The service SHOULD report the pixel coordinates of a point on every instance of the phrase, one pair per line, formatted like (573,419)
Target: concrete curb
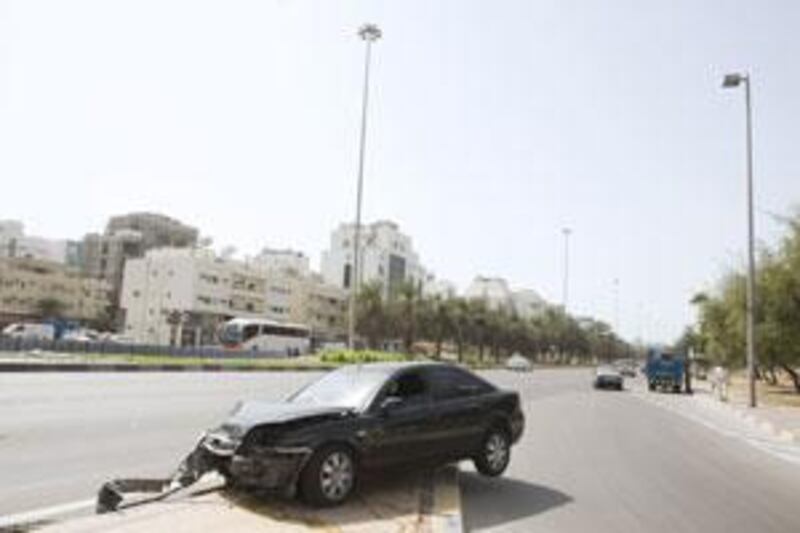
(14,367)
(446,511)
(431,503)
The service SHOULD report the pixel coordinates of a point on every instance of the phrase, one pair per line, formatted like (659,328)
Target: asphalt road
(589,460)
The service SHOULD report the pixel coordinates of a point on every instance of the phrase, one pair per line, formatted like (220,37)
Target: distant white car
(519,363)
(117,338)
(30,330)
(608,377)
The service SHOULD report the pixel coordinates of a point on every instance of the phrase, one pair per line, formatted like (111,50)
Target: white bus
(261,335)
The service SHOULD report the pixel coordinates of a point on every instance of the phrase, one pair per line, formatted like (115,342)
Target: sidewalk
(771,429)
(406,502)
(782,421)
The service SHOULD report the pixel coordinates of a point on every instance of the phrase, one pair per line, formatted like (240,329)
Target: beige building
(321,306)
(25,283)
(182,296)
(130,236)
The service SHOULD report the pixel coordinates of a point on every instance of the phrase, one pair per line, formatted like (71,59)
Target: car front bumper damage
(259,467)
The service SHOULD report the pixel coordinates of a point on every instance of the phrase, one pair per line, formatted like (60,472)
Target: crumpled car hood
(254,413)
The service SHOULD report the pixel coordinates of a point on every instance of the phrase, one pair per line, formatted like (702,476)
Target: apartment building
(181,296)
(386,257)
(26,283)
(131,236)
(14,243)
(497,294)
(283,260)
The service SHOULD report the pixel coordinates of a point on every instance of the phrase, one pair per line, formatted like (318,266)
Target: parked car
(82,335)
(30,331)
(519,363)
(364,417)
(118,338)
(608,377)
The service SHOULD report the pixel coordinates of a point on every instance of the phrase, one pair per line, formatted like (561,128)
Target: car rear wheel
(495,453)
(329,477)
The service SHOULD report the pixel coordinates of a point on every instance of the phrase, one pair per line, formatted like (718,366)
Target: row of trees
(470,325)
(720,332)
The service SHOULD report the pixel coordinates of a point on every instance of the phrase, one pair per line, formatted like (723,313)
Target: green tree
(721,314)
(51,308)
(372,316)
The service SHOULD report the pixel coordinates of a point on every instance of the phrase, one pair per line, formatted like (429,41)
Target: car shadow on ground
(388,500)
(492,502)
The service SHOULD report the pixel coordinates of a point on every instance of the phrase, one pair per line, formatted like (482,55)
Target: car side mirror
(389,404)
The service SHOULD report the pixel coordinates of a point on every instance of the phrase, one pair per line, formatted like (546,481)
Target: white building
(498,295)
(181,296)
(286,259)
(494,291)
(386,256)
(438,287)
(14,244)
(528,303)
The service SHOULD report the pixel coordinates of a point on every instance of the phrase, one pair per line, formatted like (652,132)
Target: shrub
(360,356)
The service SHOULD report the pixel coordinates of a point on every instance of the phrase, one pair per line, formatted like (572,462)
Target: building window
(347,275)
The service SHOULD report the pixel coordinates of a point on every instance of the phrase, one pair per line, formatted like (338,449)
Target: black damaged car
(319,440)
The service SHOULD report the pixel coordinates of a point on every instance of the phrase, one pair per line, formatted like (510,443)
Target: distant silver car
(519,363)
(608,377)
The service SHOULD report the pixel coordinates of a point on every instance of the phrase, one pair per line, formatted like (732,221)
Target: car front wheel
(329,477)
(495,453)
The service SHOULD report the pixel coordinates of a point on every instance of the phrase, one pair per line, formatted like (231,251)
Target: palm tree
(405,306)
(372,319)
(462,322)
(479,324)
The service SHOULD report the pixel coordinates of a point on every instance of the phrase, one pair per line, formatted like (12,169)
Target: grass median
(325,360)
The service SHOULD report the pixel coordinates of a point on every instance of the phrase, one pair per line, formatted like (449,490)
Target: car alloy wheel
(494,454)
(336,476)
(496,451)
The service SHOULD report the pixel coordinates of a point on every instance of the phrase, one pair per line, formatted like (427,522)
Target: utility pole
(565,293)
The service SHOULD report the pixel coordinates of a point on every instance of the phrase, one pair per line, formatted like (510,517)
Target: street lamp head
(370,32)
(732,80)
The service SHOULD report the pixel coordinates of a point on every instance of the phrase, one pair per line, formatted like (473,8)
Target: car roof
(395,366)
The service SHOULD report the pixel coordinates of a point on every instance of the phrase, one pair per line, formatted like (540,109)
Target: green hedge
(360,356)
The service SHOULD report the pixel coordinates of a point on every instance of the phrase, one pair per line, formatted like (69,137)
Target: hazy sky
(493,124)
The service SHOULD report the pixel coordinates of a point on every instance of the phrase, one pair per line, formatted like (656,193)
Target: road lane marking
(37,515)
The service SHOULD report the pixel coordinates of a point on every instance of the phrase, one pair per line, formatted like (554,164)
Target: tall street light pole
(369,33)
(616,306)
(732,81)
(565,294)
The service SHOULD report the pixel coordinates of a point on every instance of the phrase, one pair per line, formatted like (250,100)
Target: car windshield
(348,387)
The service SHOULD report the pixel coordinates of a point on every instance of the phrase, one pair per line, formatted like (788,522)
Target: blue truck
(665,370)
